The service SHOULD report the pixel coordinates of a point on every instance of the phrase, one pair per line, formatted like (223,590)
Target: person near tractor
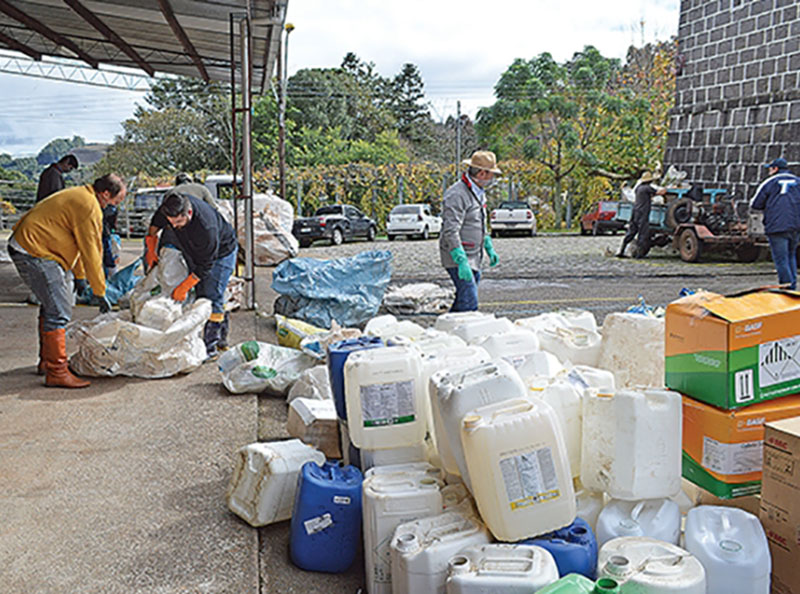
(59,235)
(779,197)
(209,247)
(639,225)
(52,178)
(464,235)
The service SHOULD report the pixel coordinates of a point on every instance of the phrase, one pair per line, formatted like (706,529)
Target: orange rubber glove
(151,251)
(180,292)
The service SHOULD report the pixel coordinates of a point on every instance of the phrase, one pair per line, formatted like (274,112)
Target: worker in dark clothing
(209,247)
(639,224)
(185,185)
(52,179)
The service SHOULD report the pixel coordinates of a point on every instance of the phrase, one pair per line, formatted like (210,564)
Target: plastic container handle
(518,407)
(637,509)
(726,521)
(478,372)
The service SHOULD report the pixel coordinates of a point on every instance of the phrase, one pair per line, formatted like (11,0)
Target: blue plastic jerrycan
(337,355)
(326,520)
(574,548)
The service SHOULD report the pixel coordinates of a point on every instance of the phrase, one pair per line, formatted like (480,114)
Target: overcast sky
(461,48)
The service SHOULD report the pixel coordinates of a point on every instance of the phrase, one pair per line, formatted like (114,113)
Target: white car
(412,219)
(514,216)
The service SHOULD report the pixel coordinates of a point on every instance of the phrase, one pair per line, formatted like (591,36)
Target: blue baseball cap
(780,163)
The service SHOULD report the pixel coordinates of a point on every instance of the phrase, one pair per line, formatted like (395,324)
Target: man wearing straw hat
(464,237)
(640,218)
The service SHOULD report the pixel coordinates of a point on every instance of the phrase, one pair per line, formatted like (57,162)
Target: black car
(336,222)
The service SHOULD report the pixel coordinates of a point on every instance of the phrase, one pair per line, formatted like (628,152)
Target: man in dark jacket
(52,179)
(779,197)
(209,247)
(640,218)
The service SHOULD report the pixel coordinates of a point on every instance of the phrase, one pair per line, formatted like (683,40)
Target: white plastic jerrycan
(447,322)
(644,565)
(632,443)
(516,453)
(421,549)
(589,504)
(539,368)
(474,331)
(572,345)
(732,546)
(460,392)
(384,396)
(433,341)
(579,318)
(656,518)
(506,568)
(512,346)
(546,321)
(389,500)
(567,402)
(584,377)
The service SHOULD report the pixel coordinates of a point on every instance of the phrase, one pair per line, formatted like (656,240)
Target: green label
(250,350)
(386,422)
(155,291)
(263,372)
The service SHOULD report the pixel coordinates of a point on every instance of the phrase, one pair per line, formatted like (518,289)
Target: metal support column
(247,165)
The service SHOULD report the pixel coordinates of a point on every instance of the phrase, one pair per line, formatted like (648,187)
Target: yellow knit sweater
(67,227)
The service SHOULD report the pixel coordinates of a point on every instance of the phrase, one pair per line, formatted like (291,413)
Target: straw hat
(483,160)
(648,177)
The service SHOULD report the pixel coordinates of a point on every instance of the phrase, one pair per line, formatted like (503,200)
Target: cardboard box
(314,423)
(734,351)
(699,496)
(722,449)
(780,503)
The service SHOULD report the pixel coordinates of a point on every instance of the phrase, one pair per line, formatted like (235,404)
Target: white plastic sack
(418,298)
(112,344)
(162,279)
(255,367)
(313,383)
(272,228)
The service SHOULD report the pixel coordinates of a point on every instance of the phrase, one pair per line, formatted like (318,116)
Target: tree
(409,111)
(57,148)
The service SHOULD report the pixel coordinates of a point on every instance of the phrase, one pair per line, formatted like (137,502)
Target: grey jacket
(463,224)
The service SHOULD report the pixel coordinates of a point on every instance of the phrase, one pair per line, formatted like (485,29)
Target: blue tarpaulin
(118,285)
(348,290)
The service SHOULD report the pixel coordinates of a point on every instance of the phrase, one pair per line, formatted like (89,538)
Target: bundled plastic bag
(118,286)
(273,218)
(418,298)
(313,383)
(255,367)
(170,271)
(347,290)
(111,344)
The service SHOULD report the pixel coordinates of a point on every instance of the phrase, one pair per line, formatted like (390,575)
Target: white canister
(632,443)
(474,331)
(647,566)
(515,451)
(421,550)
(384,396)
(567,402)
(579,318)
(506,568)
(656,518)
(407,468)
(588,503)
(732,546)
(511,346)
(460,392)
(388,501)
(584,377)
(572,345)
(388,457)
(264,480)
(433,341)
(447,322)
(539,368)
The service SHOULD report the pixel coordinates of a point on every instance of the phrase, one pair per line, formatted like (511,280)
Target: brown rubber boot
(41,369)
(55,353)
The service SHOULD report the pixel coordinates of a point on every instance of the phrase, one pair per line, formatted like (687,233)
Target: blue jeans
(50,283)
(212,285)
(784,253)
(466,291)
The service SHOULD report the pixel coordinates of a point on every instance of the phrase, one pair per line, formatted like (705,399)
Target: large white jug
(512,346)
(421,549)
(384,396)
(732,546)
(567,401)
(433,341)
(644,565)
(632,443)
(584,377)
(539,365)
(506,568)
(460,392)
(516,453)
(447,322)
(589,504)
(474,331)
(656,518)
(572,345)
(388,501)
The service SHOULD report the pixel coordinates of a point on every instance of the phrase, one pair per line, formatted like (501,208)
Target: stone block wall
(738,91)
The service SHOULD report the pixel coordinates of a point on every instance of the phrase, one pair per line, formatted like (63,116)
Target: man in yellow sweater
(63,232)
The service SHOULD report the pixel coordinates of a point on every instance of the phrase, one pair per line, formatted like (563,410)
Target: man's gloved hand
(150,251)
(105,305)
(182,290)
(80,286)
(494,259)
(460,258)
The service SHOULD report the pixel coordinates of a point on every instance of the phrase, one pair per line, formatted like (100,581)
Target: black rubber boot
(211,334)
(222,345)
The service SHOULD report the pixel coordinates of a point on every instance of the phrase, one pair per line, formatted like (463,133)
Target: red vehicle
(602,218)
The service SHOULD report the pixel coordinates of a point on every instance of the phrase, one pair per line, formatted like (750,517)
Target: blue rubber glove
(460,258)
(80,286)
(494,259)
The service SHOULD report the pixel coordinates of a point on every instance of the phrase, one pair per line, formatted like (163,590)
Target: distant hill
(89,154)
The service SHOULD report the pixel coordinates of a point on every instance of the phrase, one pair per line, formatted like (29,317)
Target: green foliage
(57,148)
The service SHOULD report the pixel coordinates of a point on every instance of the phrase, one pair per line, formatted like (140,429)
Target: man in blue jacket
(779,197)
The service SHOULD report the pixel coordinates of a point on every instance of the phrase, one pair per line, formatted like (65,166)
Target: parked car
(337,223)
(514,216)
(603,217)
(412,219)
(135,216)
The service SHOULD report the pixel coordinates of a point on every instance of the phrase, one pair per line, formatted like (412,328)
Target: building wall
(738,91)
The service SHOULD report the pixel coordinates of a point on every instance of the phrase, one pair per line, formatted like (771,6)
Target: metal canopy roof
(185,37)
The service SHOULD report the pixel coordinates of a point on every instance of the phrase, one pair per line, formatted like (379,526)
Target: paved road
(547,272)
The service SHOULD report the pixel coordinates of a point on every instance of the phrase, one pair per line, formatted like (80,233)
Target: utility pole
(458,136)
(283,71)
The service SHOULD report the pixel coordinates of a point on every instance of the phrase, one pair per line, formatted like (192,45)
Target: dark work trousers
(638,227)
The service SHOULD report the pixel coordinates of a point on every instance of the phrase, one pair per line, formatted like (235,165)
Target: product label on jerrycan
(530,478)
(388,404)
